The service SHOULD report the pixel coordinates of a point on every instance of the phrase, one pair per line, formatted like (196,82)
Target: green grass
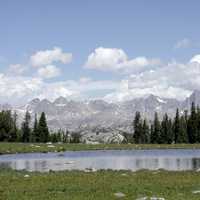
(101,185)
(6,148)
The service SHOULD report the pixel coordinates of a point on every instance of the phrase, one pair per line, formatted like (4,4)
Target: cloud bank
(137,77)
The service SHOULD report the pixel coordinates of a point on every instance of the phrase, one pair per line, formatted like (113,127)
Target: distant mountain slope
(97,113)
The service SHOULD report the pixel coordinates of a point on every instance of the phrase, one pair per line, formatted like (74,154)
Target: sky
(108,49)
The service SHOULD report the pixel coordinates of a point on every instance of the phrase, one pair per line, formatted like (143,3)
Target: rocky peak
(60,101)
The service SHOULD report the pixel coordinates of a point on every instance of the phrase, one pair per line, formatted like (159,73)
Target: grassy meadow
(100,185)
(7,148)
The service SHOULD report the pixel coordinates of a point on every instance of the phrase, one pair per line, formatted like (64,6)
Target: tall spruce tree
(14,129)
(192,125)
(183,137)
(156,132)
(145,132)
(166,130)
(177,129)
(170,138)
(26,131)
(198,124)
(35,134)
(43,128)
(137,124)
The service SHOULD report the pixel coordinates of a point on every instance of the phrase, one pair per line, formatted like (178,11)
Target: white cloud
(174,80)
(21,89)
(16,69)
(112,59)
(196,59)
(49,71)
(46,57)
(144,77)
(184,43)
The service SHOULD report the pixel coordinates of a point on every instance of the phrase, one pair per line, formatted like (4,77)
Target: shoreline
(13,148)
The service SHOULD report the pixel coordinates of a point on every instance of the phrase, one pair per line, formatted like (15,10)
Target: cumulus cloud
(184,43)
(21,89)
(16,69)
(174,80)
(113,59)
(46,57)
(140,77)
(49,71)
(196,59)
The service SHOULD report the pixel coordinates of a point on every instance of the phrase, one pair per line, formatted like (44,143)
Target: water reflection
(172,160)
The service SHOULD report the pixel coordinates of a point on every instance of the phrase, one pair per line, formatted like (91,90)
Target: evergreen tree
(151,132)
(26,131)
(165,130)
(170,134)
(183,137)
(156,132)
(75,137)
(2,134)
(192,125)
(145,132)
(43,128)
(66,137)
(35,132)
(137,124)
(177,129)
(13,132)
(198,124)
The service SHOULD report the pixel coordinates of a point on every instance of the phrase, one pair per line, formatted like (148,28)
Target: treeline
(183,128)
(38,132)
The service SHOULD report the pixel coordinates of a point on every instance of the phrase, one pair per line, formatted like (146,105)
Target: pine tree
(198,123)
(156,132)
(137,124)
(43,128)
(170,134)
(145,132)
(164,129)
(176,125)
(192,125)
(35,132)
(14,129)
(26,131)
(183,137)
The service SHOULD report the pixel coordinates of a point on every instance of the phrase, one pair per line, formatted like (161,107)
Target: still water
(171,159)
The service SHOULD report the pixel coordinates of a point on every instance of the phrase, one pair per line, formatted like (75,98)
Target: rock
(90,170)
(49,143)
(196,192)
(60,154)
(50,146)
(69,162)
(119,194)
(142,198)
(102,136)
(157,198)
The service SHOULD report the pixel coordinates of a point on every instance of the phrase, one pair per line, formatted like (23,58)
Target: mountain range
(76,115)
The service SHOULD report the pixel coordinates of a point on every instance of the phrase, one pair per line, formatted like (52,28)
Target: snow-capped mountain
(72,115)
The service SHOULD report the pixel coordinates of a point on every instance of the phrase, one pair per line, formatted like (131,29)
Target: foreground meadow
(7,148)
(101,185)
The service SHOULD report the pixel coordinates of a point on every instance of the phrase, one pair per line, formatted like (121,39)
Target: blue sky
(167,31)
